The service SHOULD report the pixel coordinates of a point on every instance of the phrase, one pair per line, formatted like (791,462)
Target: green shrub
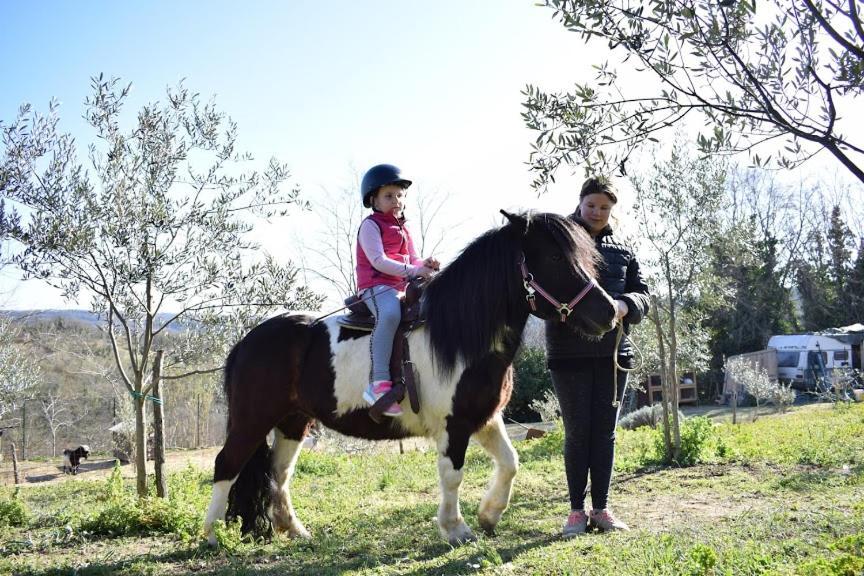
(531,382)
(231,540)
(12,512)
(845,565)
(549,445)
(637,449)
(124,514)
(696,434)
(702,560)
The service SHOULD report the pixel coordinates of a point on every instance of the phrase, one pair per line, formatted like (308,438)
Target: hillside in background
(80,395)
(83,317)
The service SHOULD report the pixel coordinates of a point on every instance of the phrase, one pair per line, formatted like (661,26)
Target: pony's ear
(517,221)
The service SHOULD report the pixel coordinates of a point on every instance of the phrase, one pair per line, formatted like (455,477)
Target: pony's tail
(251,495)
(226,382)
(229,365)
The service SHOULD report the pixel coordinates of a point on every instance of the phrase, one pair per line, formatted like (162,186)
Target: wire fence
(42,428)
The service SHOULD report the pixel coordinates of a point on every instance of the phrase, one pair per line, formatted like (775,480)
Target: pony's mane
(469,303)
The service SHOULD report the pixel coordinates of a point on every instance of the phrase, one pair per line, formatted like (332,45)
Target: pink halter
(531,286)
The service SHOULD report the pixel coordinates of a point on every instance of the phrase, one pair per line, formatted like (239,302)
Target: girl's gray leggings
(384,303)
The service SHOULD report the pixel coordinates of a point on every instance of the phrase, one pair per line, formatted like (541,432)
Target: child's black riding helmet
(378,176)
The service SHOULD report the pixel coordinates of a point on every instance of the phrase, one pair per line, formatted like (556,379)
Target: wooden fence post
(159,428)
(23,430)
(198,423)
(15,463)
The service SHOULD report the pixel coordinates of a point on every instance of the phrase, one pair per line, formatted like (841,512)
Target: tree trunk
(674,386)
(15,463)
(198,422)
(735,404)
(159,428)
(140,446)
(24,430)
(655,319)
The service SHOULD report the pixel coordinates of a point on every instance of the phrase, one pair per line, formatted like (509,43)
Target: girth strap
(402,373)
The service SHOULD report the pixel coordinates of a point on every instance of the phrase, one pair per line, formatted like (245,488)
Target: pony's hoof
(212,541)
(488,524)
(295,530)
(300,533)
(462,539)
(488,517)
(460,535)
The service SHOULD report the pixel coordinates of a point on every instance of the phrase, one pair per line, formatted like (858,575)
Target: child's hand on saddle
(425,272)
(432,263)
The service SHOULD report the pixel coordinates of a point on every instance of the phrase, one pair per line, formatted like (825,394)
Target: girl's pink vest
(395,238)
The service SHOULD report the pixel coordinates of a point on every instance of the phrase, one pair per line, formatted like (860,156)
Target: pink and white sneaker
(577,523)
(375,391)
(606,521)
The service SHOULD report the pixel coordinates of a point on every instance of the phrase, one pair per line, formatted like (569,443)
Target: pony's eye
(556,257)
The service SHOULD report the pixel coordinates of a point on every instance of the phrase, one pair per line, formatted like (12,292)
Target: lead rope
(615,366)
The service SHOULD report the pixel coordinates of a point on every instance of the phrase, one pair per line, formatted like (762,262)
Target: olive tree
(677,205)
(788,74)
(19,371)
(154,228)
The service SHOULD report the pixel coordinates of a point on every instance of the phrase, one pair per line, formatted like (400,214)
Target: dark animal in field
(72,458)
(292,370)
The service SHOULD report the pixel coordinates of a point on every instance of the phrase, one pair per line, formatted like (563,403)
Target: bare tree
(56,415)
(332,253)
(429,227)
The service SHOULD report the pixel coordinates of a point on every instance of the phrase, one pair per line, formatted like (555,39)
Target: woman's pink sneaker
(606,521)
(577,523)
(376,390)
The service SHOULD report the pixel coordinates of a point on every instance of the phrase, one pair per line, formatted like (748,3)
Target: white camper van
(798,356)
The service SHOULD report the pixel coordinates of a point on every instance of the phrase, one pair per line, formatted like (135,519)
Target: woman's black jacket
(620,276)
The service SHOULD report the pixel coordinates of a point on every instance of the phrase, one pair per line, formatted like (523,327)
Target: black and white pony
(291,370)
(72,458)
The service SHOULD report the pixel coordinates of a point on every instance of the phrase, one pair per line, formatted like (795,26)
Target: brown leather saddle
(401,368)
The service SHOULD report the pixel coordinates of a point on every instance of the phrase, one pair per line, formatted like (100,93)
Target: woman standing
(582,369)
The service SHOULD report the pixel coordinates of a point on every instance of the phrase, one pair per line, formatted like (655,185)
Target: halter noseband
(531,286)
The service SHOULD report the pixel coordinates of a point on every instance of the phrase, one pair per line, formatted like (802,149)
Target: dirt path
(41,473)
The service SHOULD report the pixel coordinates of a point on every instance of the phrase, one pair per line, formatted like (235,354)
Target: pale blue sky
(328,87)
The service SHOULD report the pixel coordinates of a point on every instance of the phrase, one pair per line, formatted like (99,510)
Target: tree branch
(193,373)
(858,51)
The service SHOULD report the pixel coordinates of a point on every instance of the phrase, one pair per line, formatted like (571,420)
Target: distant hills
(82,317)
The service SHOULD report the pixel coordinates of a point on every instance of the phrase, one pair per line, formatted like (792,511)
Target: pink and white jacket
(385,253)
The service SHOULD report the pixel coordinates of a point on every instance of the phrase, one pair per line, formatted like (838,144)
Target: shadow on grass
(120,566)
(83,468)
(809,479)
(406,536)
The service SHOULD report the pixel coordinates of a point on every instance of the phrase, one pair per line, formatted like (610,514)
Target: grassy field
(782,495)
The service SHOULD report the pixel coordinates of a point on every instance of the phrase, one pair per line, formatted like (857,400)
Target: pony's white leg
(450,522)
(285,453)
(218,505)
(493,437)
